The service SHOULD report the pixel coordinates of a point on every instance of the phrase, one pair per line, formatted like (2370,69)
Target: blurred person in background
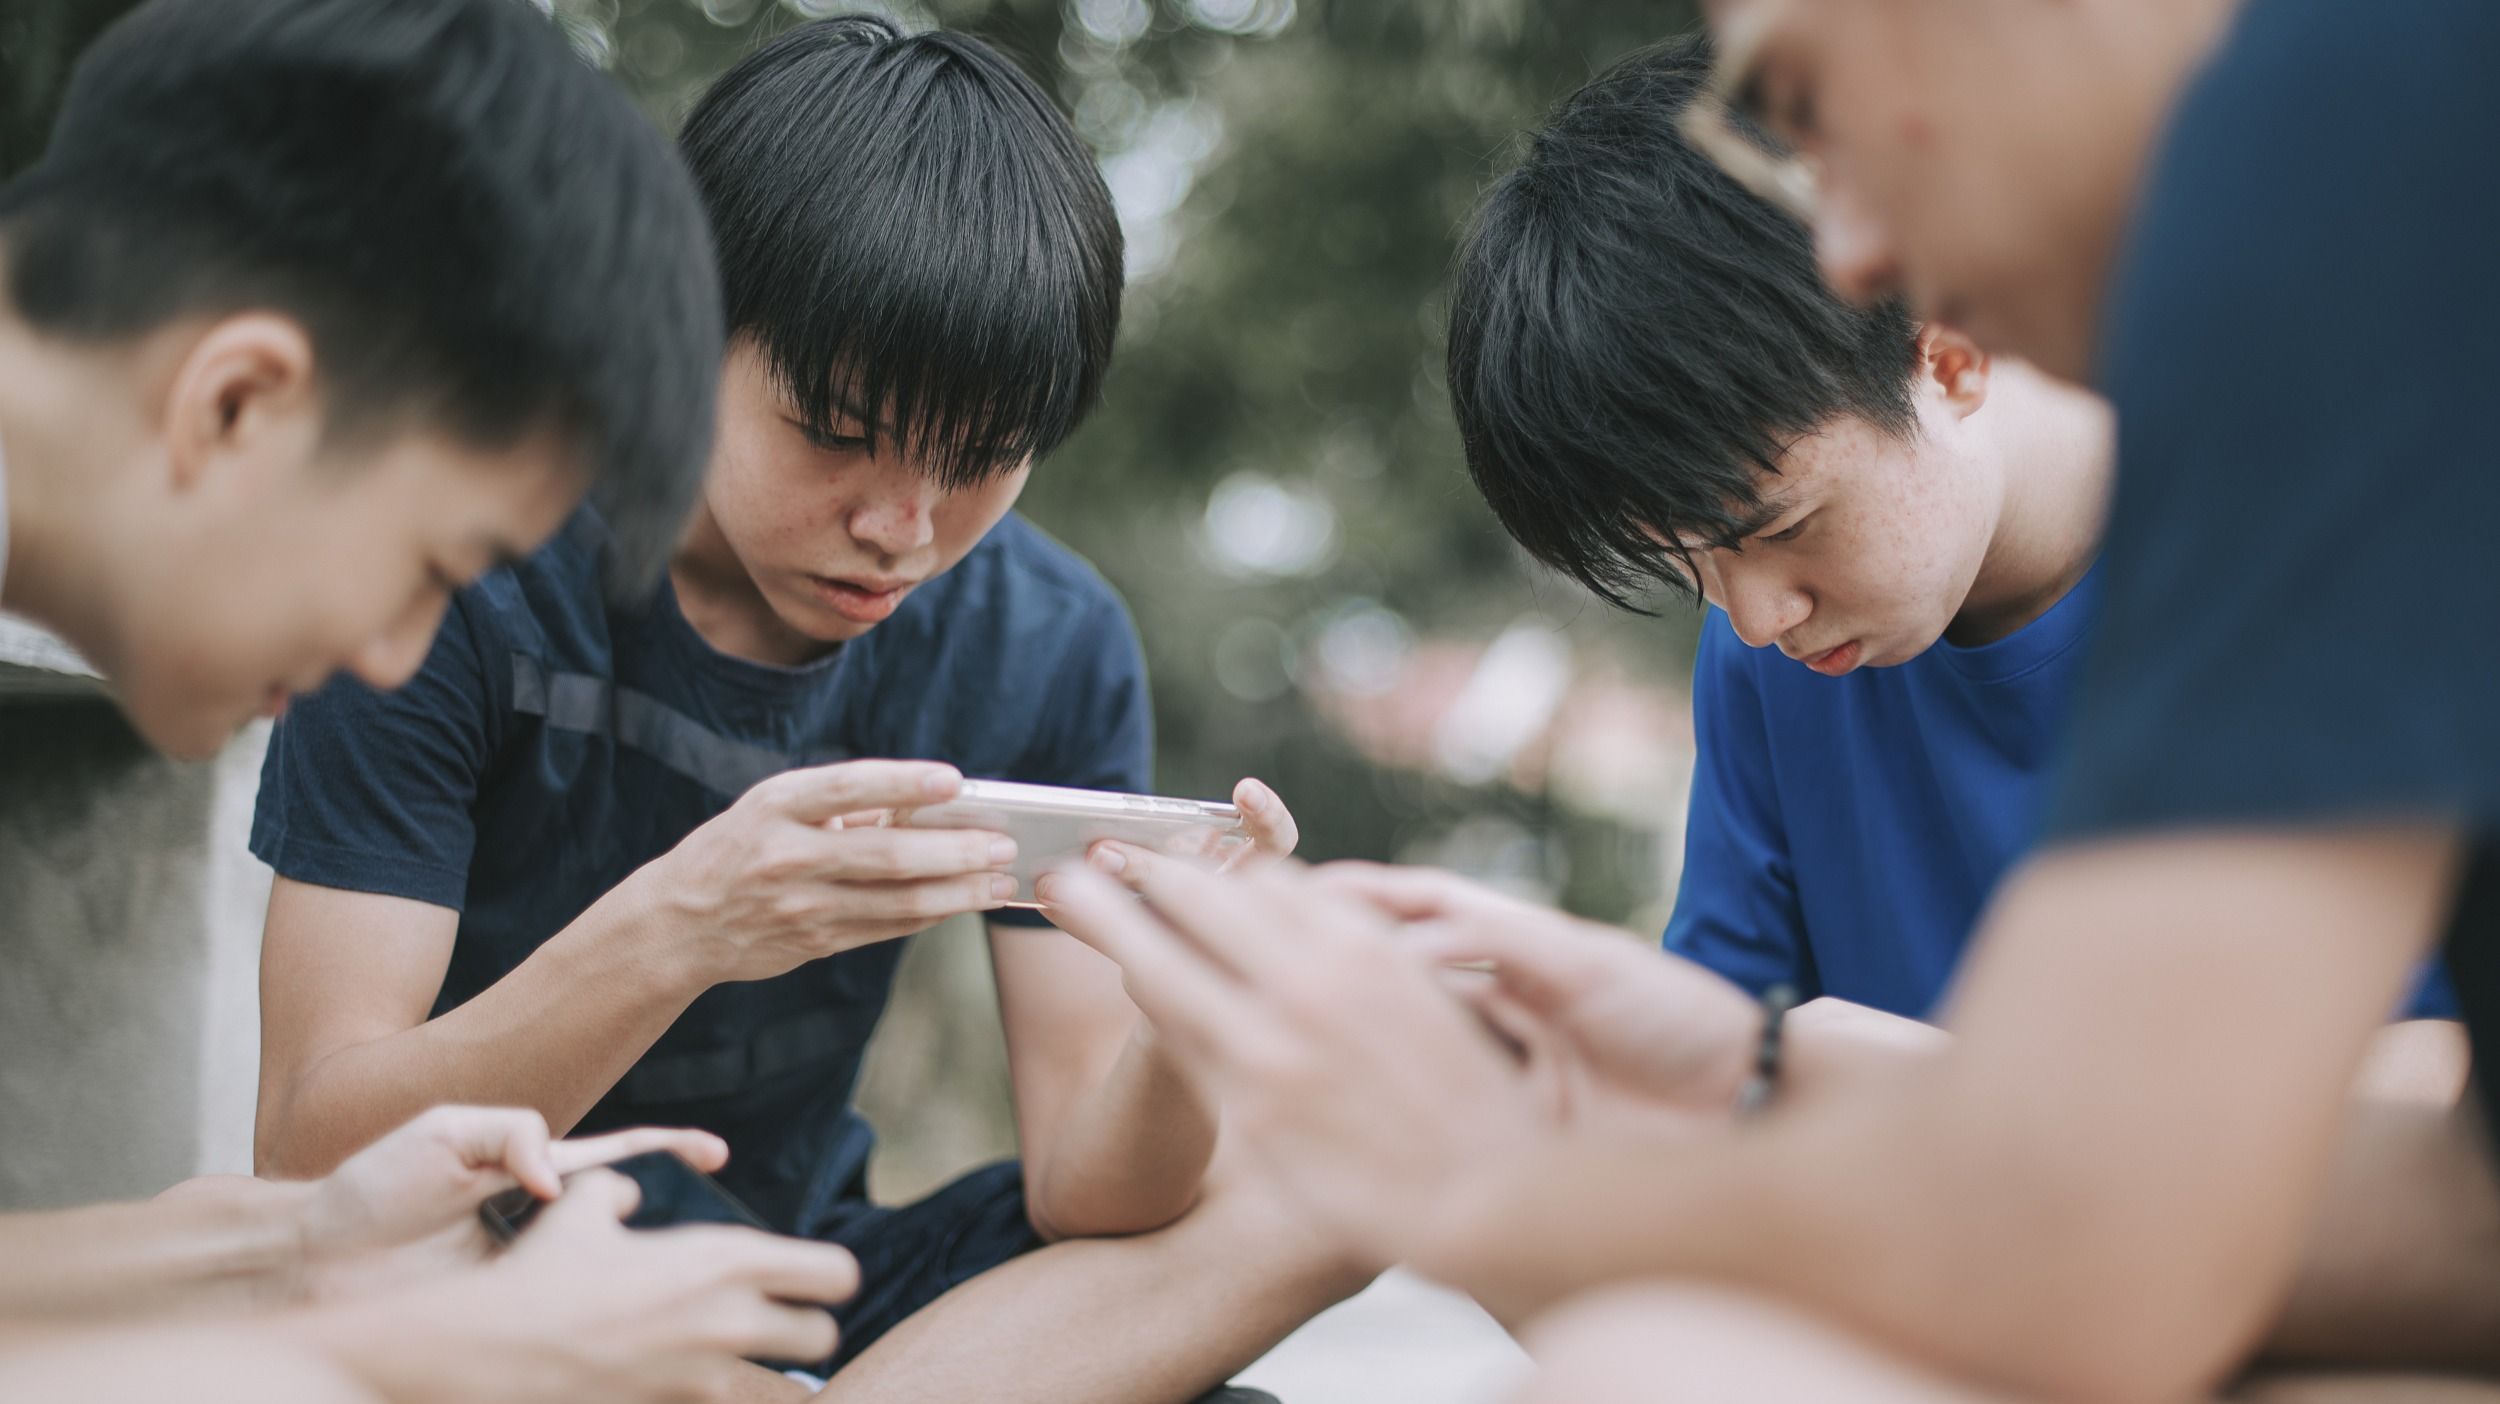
(591,860)
(1894,531)
(2134,1171)
(307,316)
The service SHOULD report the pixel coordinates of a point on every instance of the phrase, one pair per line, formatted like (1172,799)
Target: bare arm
(2152,1045)
(197,1366)
(1116,1137)
(347,1052)
(230,1244)
(347,979)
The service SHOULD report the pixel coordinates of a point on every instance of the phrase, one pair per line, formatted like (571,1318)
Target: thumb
(1536,971)
(592,1200)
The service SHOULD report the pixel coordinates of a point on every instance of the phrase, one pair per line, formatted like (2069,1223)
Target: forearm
(554,1036)
(2403,1266)
(198,1367)
(1890,1212)
(1129,1155)
(227,1243)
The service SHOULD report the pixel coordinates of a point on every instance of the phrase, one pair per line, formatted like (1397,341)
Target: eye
(831,442)
(1787,533)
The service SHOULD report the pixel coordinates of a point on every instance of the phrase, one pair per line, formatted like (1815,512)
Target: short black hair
(1635,338)
(915,237)
(478,231)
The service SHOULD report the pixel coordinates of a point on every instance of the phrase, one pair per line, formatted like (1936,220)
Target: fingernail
(1109,860)
(941,784)
(1002,851)
(1002,887)
(1046,890)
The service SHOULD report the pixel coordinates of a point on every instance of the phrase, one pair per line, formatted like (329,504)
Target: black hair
(479,233)
(915,238)
(1635,338)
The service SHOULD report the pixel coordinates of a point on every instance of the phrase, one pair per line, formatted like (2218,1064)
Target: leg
(1156,1319)
(1660,1344)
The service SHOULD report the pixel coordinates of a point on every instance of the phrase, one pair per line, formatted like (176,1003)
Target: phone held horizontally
(1054,826)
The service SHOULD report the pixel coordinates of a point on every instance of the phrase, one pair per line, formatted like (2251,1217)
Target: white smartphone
(1054,826)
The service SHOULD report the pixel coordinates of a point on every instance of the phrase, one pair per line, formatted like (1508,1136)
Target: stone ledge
(34,664)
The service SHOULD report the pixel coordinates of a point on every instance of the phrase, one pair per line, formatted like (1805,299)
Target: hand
(1273,837)
(1621,1032)
(1353,1078)
(407,1204)
(583,1309)
(780,879)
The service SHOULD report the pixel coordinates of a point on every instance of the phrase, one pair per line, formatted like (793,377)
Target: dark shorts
(912,1254)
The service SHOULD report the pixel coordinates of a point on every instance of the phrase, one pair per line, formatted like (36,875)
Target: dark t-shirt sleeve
(1736,908)
(372,792)
(1097,730)
(2302,622)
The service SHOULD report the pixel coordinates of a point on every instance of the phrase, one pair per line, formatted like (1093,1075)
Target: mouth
(1832,662)
(861,601)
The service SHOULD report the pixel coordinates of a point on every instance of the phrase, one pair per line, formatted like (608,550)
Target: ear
(1955,366)
(242,397)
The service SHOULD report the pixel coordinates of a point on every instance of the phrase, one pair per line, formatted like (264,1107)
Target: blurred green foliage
(1275,455)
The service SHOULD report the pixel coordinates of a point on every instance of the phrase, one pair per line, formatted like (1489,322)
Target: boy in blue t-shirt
(593,859)
(1895,535)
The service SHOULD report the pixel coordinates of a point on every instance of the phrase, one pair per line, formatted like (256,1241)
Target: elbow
(1058,1214)
(284,1146)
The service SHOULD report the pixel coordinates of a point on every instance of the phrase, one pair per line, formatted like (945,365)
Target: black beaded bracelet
(1755,1095)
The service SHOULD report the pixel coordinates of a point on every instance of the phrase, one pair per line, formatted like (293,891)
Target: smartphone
(1054,826)
(673,1192)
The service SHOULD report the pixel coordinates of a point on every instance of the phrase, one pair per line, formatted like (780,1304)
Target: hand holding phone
(1054,826)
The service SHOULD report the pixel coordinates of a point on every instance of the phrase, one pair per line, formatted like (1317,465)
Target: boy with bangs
(592,860)
(1893,531)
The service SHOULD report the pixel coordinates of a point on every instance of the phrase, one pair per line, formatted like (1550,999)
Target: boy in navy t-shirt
(593,859)
(1895,535)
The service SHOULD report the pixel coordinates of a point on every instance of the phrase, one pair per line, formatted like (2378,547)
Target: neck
(2055,445)
(721,602)
(69,432)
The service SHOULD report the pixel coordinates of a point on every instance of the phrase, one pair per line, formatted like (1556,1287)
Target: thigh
(1666,1343)
(2325,1387)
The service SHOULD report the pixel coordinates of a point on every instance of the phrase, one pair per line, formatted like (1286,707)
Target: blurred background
(1273,480)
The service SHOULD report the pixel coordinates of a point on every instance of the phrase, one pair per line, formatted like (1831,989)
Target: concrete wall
(129,937)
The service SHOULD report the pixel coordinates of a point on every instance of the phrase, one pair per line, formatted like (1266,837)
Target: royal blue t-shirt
(553,744)
(1844,833)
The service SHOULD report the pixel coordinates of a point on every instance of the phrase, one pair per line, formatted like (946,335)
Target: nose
(1854,248)
(390,658)
(1761,606)
(898,520)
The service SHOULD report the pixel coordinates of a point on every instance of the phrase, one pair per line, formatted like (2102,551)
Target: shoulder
(1023,596)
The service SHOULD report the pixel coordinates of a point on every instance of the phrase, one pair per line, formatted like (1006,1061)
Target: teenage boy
(2134,1165)
(304,316)
(1895,535)
(592,861)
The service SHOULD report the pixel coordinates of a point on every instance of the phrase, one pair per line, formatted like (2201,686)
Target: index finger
(786,1269)
(823,793)
(700,1149)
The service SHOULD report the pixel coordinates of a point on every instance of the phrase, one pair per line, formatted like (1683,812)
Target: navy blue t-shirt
(2301,618)
(1844,833)
(551,746)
